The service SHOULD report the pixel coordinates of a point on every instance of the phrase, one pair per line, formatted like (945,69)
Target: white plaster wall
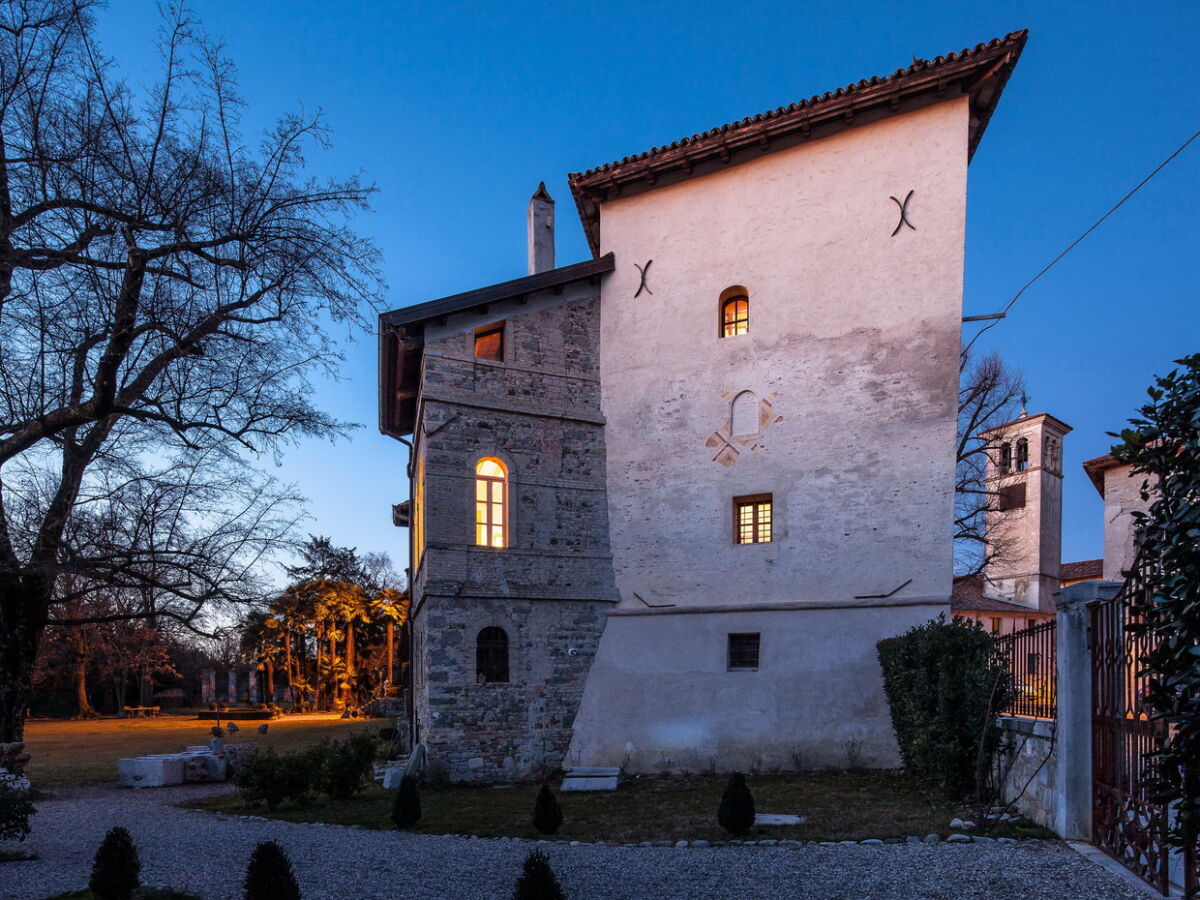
(670,703)
(854,335)
(1121,498)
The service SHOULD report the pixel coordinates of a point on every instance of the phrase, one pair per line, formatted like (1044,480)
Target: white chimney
(541,230)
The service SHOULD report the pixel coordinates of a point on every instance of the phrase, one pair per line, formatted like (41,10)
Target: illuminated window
(418,513)
(491,501)
(491,656)
(752,519)
(489,343)
(1022,455)
(735,312)
(743,652)
(995,625)
(743,417)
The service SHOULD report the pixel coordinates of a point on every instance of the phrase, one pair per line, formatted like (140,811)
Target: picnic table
(137,712)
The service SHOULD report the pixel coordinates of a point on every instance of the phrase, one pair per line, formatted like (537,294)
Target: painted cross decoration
(903,214)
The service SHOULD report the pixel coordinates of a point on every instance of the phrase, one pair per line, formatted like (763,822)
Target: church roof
(980,73)
(1081,570)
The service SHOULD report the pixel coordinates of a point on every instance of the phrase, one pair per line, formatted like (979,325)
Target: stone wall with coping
(1027,768)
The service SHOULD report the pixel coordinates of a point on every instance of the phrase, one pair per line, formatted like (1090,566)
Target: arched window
(735,312)
(743,417)
(1005,456)
(1022,455)
(491,503)
(491,656)
(1050,453)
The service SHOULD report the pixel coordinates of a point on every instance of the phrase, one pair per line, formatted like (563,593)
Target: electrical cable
(1078,240)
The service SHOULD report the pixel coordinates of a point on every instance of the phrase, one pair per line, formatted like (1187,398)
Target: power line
(1015,297)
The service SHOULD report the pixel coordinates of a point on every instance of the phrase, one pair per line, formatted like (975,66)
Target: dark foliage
(1164,445)
(116,868)
(343,768)
(269,875)
(736,812)
(945,689)
(547,814)
(15,810)
(271,779)
(537,881)
(406,808)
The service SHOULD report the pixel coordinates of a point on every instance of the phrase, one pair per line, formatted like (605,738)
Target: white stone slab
(392,778)
(777,819)
(590,771)
(151,771)
(203,767)
(590,783)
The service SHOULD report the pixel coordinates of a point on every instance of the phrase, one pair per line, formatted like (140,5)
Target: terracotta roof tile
(1077,571)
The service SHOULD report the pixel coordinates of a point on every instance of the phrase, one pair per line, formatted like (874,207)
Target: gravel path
(206,854)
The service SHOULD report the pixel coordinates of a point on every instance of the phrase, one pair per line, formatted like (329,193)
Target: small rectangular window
(995,625)
(489,343)
(743,652)
(752,519)
(1029,623)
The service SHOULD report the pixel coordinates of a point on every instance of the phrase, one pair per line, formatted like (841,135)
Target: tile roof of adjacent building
(1095,469)
(978,72)
(968,595)
(1081,570)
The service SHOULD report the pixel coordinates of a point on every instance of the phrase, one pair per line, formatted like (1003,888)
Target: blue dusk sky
(457,110)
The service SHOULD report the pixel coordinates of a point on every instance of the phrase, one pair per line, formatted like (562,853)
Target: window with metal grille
(491,503)
(491,656)
(743,652)
(489,343)
(752,519)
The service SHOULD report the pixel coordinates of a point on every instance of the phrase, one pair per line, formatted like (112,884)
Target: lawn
(836,807)
(69,752)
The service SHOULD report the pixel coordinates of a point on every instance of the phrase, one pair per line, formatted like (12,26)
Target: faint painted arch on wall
(743,415)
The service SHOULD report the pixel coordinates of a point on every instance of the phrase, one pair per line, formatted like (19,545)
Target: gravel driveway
(206,854)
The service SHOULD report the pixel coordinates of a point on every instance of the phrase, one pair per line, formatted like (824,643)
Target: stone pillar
(1073,816)
(540,230)
(252,686)
(233,694)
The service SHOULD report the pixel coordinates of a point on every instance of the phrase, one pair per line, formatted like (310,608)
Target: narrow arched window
(491,503)
(1005,456)
(1022,455)
(735,312)
(491,656)
(743,417)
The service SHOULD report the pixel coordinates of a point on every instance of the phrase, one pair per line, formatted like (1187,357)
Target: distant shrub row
(337,769)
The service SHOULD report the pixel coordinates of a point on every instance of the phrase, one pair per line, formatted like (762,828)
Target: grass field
(836,807)
(68,752)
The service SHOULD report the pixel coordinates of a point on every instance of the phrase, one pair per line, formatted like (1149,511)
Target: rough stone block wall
(1027,768)
(550,588)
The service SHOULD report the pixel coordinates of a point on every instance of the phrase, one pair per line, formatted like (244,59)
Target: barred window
(491,656)
(735,312)
(752,519)
(491,503)
(743,652)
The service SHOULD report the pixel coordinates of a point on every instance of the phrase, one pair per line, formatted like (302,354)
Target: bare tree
(165,296)
(989,396)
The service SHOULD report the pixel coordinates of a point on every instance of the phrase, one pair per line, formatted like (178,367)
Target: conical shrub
(116,867)
(406,808)
(736,812)
(269,875)
(537,881)
(547,814)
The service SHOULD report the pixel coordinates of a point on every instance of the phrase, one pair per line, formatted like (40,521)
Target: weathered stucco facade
(633,431)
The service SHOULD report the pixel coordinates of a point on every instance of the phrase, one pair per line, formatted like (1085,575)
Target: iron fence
(1029,656)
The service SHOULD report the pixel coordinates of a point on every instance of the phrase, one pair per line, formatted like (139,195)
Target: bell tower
(1024,517)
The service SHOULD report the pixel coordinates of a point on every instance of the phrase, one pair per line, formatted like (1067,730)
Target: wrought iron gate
(1126,821)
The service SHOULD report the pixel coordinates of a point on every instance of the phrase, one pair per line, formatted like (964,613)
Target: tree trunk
(391,653)
(351,674)
(270,667)
(22,620)
(79,647)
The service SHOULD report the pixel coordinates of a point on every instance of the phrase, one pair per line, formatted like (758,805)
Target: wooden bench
(137,712)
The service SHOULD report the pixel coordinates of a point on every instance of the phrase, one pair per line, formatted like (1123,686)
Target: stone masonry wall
(1028,768)
(539,412)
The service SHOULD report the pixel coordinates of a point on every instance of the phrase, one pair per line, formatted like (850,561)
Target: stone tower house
(666,501)
(1025,523)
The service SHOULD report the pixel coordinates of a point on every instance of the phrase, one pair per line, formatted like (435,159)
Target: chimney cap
(541,193)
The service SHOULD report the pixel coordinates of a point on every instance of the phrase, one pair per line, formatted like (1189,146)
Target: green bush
(547,814)
(945,690)
(15,810)
(269,875)
(271,779)
(343,768)
(406,808)
(116,867)
(537,881)
(736,812)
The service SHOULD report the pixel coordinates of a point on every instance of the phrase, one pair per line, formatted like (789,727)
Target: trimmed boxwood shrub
(537,881)
(945,689)
(547,814)
(269,875)
(736,812)
(116,868)
(271,779)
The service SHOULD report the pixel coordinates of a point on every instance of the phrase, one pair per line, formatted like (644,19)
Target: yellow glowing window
(491,500)
(735,312)
(752,519)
